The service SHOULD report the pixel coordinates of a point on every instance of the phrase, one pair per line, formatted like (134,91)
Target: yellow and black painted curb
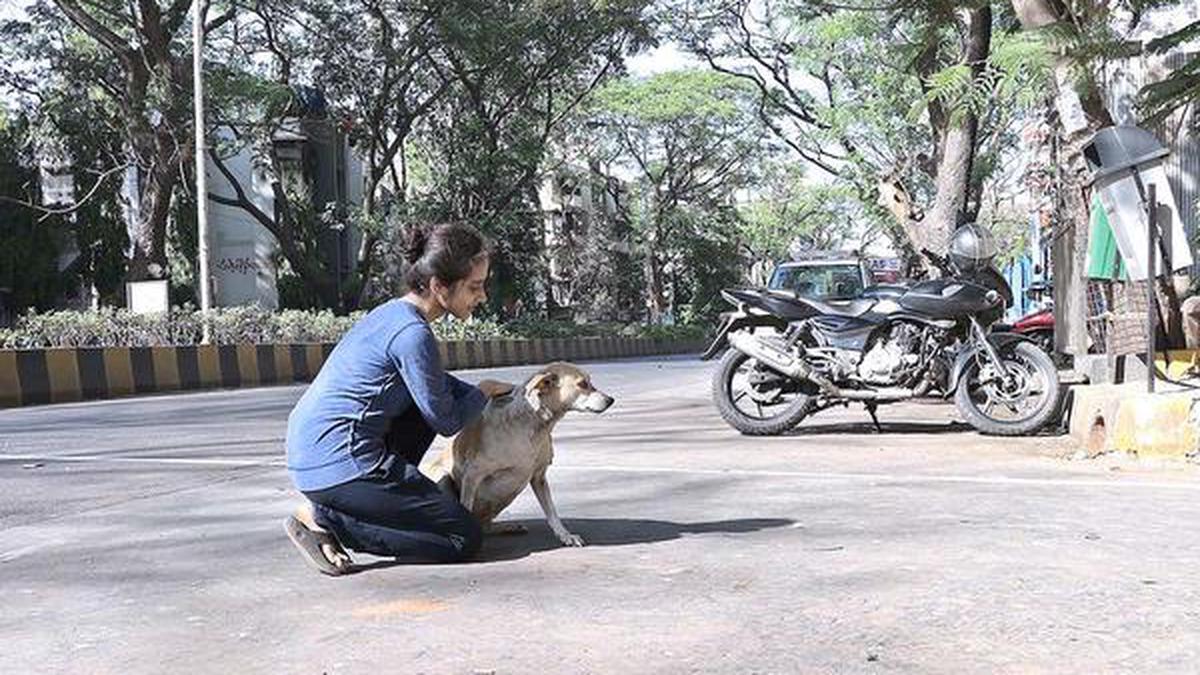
(1125,418)
(36,376)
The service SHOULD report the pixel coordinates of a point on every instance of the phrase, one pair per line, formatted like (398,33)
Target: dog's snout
(599,402)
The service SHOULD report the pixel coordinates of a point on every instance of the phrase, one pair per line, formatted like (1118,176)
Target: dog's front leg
(542,489)
(470,489)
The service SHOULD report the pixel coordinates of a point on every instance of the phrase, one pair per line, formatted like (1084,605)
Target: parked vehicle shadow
(807,428)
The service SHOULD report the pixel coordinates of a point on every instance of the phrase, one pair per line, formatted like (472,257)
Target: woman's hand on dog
(494,388)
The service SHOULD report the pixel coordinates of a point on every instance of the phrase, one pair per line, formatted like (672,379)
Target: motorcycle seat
(882,291)
(785,304)
(847,308)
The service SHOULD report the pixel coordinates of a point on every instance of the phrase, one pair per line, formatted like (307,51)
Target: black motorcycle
(791,356)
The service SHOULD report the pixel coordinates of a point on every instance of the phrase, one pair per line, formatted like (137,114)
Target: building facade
(314,158)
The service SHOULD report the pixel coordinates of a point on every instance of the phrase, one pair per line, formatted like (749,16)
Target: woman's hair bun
(415,243)
(448,251)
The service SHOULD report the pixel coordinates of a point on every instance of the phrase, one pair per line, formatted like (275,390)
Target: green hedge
(253,325)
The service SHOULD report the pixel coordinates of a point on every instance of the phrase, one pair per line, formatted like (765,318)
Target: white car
(839,278)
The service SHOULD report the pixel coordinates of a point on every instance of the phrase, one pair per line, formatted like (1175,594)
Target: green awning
(1104,258)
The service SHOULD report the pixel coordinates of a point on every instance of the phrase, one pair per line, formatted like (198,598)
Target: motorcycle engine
(891,355)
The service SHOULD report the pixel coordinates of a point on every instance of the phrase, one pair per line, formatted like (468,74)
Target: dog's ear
(542,382)
(537,386)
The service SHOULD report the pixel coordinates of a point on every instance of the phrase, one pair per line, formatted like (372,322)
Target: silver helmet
(972,248)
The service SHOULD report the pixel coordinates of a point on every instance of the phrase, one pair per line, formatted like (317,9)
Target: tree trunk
(908,236)
(157,140)
(1069,253)
(655,302)
(157,156)
(148,256)
(956,155)
(953,176)
(652,268)
(1070,247)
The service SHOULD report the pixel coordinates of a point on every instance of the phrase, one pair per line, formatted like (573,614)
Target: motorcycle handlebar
(938,261)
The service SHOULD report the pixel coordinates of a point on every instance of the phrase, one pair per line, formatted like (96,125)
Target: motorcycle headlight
(992,297)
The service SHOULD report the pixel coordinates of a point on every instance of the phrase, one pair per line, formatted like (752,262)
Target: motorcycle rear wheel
(727,393)
(1034,374)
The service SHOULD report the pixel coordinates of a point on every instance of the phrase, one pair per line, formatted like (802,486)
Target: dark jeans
(395,510)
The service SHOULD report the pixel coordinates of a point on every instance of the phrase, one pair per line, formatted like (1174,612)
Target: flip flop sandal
(309,542)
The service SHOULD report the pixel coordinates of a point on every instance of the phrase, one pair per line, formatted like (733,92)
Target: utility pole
(203,274)
(1151,276)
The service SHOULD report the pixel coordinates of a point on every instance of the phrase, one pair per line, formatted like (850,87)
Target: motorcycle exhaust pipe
(774,357)
(781,361)
(796,368)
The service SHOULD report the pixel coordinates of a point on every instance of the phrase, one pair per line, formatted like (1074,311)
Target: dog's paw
(569,539)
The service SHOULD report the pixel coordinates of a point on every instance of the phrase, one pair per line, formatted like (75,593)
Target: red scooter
(1038,325)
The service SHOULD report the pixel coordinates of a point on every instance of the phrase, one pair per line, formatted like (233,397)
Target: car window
(830,282)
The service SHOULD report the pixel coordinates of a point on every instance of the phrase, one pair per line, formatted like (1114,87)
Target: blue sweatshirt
(387,362)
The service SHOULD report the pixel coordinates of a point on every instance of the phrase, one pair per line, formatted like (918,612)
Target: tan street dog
(509,446)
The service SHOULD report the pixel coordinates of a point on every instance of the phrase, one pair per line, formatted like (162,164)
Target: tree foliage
(130,63)
(466,92)
(869,94)
(832,121)
(688,140)
(787,211)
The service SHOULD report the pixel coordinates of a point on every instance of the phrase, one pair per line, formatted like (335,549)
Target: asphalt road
(144,536)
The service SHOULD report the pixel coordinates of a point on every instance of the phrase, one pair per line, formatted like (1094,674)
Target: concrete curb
(37,376)
(1124,418)
(1179,363)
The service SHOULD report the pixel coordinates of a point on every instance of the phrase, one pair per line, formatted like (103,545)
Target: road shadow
(612,532)
(908,428)
(866,428)
(598,532)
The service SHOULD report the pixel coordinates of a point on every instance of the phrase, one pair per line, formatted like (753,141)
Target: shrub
(546,328)
(451,328)
(110,327)
(677,332)
(296,325)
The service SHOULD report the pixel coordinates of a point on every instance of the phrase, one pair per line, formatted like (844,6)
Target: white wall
(241,249)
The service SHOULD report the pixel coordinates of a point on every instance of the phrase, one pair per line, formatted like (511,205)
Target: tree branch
(177,12)
(88,24)
(241,200)
(220,20)
(47,212)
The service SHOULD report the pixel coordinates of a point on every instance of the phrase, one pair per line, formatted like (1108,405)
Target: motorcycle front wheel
(755,400)
(1027,403)
(1044,340)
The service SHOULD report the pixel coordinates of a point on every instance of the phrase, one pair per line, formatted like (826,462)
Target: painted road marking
(816,476)
(895,478)
(198,461)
